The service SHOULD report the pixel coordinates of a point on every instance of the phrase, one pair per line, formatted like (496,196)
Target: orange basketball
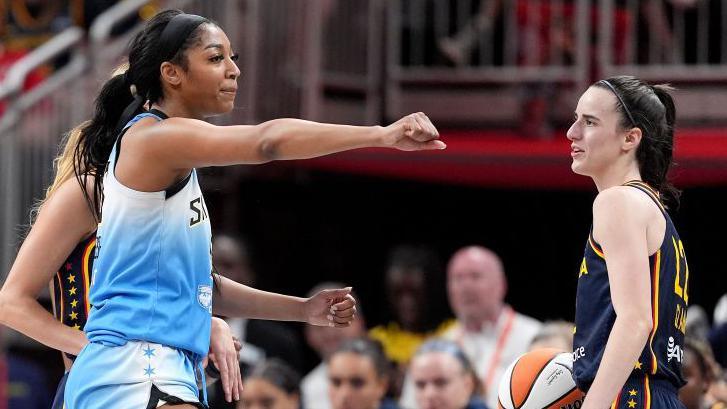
(541,379)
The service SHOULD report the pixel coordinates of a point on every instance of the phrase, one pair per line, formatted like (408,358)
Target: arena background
(501,100)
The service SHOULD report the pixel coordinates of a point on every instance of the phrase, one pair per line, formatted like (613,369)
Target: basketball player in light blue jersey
(633,282)
(59,249)
(151,295)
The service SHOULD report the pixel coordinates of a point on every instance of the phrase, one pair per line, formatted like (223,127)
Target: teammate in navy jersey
(633,281)
(151,289)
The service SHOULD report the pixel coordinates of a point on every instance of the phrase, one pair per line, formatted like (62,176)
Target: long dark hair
(140,84)
(651,109)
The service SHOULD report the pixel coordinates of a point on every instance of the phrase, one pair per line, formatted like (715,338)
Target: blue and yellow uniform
(70,295)
(657,374)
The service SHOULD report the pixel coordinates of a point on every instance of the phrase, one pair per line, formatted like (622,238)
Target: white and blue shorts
(132,376)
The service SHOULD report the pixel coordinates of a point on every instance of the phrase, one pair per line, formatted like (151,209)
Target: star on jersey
(71,278)
(638,365)
(74,303)
(632,403)
(149,371)
(632,392)
(73,315)
(148,352)
(72,291)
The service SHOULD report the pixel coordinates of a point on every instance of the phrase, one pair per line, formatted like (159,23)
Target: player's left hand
(224,354)
(332,308)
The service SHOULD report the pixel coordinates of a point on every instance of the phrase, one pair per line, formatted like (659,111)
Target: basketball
(540,379)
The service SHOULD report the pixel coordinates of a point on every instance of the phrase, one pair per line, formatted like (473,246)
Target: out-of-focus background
(500,80)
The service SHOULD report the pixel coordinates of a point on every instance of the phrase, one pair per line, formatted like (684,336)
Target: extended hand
(332,308)
(414,132)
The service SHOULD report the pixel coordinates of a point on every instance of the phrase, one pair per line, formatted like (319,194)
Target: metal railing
(28,139)
(453,58)
(657,40)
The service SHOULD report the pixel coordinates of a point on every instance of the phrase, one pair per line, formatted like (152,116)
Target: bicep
(186,143)
(63,221)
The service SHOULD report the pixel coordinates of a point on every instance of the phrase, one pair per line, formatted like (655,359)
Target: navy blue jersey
(71,283)
(662,355)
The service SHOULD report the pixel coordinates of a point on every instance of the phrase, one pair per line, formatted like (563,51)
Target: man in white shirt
(489,331)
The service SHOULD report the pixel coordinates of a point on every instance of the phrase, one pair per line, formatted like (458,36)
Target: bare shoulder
(620,199)
(68,202)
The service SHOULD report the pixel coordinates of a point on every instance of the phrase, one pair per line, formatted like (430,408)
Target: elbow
(640,325)
(271,138)
(5,307)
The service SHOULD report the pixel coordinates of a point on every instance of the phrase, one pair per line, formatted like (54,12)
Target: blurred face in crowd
(440,381)
(353,382)
(258,393)
(230,258)
(693,392)
(325,340)
(476,285)
(405,289)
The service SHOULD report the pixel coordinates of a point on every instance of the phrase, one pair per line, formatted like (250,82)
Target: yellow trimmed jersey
(71,283)
(661,358)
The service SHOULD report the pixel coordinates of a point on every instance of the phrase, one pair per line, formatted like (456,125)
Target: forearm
(624,345)
(27,316)
(283,139)
(238,300)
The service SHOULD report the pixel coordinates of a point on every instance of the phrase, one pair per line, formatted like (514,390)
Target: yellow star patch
(78,327)
(632,392)
(74,303)
(638,365)
(72,291)
(71,278)
(632,403)
(73,315)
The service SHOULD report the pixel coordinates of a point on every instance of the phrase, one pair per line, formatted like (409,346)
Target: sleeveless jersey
(71,284)
(662,355)
(152,275)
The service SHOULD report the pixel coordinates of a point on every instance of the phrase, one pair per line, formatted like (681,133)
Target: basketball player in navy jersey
(633,281)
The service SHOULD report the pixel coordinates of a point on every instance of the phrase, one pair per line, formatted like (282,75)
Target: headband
(626,109)
(176,33)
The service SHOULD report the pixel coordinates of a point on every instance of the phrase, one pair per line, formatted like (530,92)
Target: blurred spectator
(358,375)
(443,377)
(720,311)
(489,331)
(260,339)
(271,385)
(697,325)
(325,340)
(411,276)
(554,334)
(700,372)
(718,340)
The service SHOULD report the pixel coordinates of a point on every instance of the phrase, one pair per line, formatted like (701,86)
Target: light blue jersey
(152,276)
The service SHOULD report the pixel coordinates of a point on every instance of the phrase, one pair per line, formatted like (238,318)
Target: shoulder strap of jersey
(653,194)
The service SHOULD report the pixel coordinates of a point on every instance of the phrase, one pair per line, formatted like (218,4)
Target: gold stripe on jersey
(596,248)
(654,308)
(647,399)
(87,274)
(63,299)
(648,190)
